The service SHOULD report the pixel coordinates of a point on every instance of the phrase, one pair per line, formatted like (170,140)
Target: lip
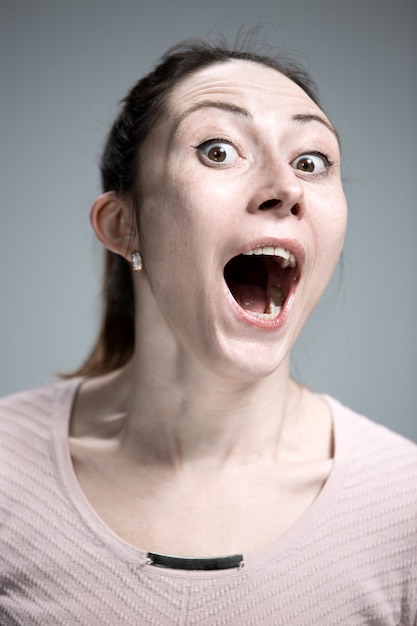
(252,320)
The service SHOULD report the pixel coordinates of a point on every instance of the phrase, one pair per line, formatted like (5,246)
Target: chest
(200,515)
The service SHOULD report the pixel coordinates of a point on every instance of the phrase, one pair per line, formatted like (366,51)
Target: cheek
(338,225)
(172,238)
(329,236)
(335,236)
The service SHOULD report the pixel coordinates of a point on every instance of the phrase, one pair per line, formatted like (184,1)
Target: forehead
(244,83)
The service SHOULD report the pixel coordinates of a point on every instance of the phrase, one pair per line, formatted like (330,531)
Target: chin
(247,360)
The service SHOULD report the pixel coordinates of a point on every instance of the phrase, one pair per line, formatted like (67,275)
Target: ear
(112,221)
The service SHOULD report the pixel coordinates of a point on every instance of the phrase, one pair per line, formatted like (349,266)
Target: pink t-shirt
(350,560)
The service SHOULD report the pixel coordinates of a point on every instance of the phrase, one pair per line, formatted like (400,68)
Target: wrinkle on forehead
(248,86)
(246,83)
(241,79)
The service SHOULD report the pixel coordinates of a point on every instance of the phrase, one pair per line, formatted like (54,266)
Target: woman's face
(242,216)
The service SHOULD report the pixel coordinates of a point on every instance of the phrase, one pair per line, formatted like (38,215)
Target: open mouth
(261,280)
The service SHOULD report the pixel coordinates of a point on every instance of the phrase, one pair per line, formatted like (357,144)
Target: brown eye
(217,152)
(313,163)
(306,165)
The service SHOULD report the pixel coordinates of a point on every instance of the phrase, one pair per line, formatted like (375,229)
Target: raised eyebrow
(242,112)
(304,119)
(211,104)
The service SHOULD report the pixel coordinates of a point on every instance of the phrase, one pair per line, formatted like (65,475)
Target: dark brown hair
(141,110)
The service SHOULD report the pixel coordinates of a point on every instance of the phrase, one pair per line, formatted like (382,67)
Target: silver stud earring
(137,264)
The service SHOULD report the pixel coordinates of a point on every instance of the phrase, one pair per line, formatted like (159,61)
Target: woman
(182,476)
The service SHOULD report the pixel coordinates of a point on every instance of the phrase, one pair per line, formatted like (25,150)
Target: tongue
(250,297)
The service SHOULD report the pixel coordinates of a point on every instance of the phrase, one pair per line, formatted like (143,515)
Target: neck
(183,415)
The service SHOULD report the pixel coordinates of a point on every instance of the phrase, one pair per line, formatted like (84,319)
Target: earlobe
(114,225)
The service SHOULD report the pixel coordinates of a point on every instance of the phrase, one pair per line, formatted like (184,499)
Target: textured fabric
(350,560)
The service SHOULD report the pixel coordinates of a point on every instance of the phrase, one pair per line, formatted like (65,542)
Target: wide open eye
(217,152)
(312,163)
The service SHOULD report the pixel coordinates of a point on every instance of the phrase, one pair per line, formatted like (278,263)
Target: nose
(280,191)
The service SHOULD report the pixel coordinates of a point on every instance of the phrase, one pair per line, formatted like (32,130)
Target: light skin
(203,436)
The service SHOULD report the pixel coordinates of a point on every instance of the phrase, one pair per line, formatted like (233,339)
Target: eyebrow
(242,112)
(211,104)
(304,119)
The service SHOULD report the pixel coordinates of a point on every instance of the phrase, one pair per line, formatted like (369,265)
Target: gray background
(65,64)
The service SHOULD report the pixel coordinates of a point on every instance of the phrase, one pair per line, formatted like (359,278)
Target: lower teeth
(273,312)
(276,301)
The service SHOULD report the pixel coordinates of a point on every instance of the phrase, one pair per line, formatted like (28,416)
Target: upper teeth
(286,258)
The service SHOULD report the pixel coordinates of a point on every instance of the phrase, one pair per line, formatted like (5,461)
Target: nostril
(270,204)
(295,210)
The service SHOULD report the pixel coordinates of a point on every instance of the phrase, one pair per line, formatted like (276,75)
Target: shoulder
(380,459)
(25,417)
(30,406)
(380,486)
(374,515)
(30,425)
(23,403)
(38,400)
(371,442)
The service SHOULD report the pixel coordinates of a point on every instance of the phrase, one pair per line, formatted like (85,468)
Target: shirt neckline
(289,541)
